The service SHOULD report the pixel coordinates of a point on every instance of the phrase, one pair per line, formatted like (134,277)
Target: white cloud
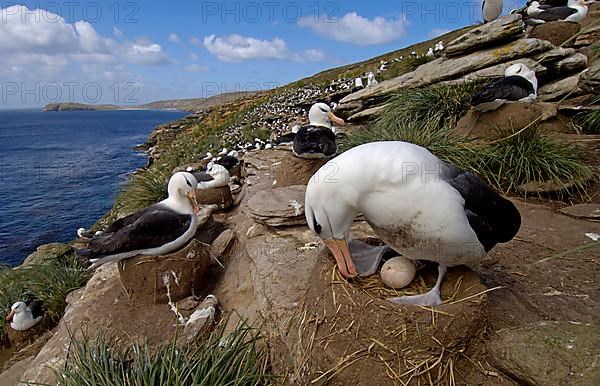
(195,68)
(195,41)
(237,48)
(173,37)
(355,29)
(193,56)
(117,32)
(310,55)
(144,53)
(35,36)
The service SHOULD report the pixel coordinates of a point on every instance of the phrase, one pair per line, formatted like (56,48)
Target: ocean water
(60,171)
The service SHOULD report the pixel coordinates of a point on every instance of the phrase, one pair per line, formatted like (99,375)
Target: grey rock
(202,319)
(588,37)
(571,64)
(367,114)
(187,304)
(222,243)
(47,252)
(447,69)
(557,90)
(279,207)
(589,81)
(548,353)
(502,29)
(14,374)
(554,55)
(497,71)
(585,211)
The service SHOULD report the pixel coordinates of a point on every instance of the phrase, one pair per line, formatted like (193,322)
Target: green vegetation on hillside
(235,359)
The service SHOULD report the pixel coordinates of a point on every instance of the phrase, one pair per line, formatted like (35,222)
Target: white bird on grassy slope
(417,204)
(23,316)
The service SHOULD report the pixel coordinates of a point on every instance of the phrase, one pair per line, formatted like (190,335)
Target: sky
(133,52)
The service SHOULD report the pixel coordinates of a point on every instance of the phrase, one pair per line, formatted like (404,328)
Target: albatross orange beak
(192,196)
(10,316)
(340,251)
(335,119)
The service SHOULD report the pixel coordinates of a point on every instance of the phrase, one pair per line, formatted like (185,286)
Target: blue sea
(60,171)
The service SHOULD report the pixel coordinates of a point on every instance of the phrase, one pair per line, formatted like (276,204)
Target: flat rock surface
(548,353)
(503,28)
(586,211)
(279,206)
(14,374)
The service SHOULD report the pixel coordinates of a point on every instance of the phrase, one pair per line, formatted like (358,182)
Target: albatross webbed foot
(366,257)
(431,298)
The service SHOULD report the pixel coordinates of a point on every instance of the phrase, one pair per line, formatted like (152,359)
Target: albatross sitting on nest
(317,140)
(417,204)
(574,11)
(157,230)
(23,316)
(519,84)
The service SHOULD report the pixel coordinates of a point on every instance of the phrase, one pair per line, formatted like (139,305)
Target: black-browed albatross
(157,230)
(417,204)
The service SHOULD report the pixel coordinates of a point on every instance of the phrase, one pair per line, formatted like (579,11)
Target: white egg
(398,272)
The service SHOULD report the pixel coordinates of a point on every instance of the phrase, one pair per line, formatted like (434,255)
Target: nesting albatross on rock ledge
(417,204)
(157,230)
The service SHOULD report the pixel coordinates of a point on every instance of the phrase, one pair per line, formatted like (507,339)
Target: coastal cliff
(271,271)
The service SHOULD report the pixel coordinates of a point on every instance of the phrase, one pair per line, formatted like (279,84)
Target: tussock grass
(49,282)
(143,189)
(427,117)
(532,156)
(591,122)
(235,359)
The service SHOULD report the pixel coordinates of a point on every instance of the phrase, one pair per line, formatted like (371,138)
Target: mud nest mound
(346,332)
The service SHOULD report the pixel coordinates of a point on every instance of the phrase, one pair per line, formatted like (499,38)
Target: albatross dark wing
(153,228)
(510,88)
(310,140)
(202,176)
(36,307)
(554,14)
(492,217)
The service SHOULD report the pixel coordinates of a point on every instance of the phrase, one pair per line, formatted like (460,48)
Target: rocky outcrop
(503,29)
(548,353)
(279,207)
(48,252)
(556,91)
(221,197)
(102,306)
(447,69)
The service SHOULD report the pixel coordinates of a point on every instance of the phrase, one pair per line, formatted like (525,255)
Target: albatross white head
(181,193)
(21,318)
(519,69)
(330,212)
(320,114)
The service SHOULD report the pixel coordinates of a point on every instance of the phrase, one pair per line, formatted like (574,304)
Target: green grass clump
(236,359)
(533,156)
(428,116)
(591,122)
(49,282)
(431,108)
